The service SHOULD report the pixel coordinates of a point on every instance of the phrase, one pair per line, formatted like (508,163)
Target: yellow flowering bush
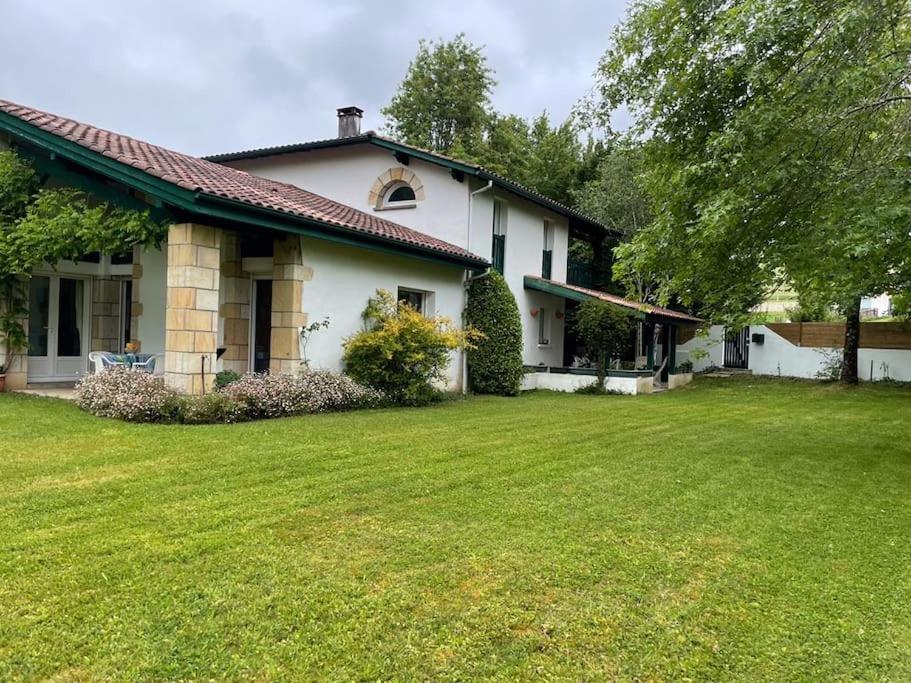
(401,352)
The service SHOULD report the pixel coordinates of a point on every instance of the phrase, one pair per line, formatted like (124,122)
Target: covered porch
(650,362)
(210,299)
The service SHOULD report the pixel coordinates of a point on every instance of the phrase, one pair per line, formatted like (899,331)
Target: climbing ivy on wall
(47,225)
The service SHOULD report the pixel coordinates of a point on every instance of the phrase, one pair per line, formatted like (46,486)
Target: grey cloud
(209,76)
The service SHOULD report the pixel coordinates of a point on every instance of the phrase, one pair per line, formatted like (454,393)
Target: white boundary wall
(779,357)
(555,381)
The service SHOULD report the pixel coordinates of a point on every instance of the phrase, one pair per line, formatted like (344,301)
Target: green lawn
(735,529)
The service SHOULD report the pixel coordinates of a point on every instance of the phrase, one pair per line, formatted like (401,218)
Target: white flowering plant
(140,397)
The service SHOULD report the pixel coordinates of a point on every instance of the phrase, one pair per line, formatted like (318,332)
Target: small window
(543,327)
(498,254)
(399,196)
(403,193)
(548,251)
(413,298)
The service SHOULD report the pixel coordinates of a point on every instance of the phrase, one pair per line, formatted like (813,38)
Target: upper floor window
(498,255)
(397,188)
(548,250)
(399,195)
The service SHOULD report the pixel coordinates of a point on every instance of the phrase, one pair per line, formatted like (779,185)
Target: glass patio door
(57,328)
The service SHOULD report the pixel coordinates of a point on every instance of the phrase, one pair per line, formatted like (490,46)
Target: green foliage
(13,309)
(18,184)
(605,331)
(495,363)
(771,156)
(444,100)
(401,352)
(48,225)
(443,104)
(226,377)
(617,197)
(901,306)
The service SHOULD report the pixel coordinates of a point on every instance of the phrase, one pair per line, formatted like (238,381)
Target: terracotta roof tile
(648,309)
(200,175)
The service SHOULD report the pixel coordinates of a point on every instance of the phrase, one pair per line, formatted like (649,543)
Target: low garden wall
(572,379)
(804,350)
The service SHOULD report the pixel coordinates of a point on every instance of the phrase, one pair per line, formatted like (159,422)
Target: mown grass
(730,530)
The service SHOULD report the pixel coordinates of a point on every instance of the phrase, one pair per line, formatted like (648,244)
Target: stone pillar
(191,326)
(136,303)
(235,306)
(288,277)
(106,315)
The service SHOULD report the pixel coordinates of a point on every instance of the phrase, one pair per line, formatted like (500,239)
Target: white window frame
(385,204)
(549,231)
(544,329)
(426,307)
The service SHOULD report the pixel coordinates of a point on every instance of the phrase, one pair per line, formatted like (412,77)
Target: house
(262,242)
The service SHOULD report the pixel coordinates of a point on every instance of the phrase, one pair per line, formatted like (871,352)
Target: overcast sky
(207,76)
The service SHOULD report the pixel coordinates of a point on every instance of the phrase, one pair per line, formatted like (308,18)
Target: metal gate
(737,349)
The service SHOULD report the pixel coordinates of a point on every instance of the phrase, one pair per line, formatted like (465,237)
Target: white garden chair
(104,360)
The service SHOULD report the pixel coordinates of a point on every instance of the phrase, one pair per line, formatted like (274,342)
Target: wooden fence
(832,335)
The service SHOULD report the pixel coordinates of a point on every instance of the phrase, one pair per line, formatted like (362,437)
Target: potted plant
(13,309)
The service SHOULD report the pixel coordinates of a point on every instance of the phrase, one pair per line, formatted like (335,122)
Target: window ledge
(545,346)
(397,205)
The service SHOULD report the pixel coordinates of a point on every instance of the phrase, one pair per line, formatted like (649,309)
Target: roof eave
(201,203)
(423,155)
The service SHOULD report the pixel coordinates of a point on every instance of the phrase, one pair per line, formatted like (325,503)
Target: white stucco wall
(153,295)
(779,357)
(524,249)
(704,350)
(346,174)
(344,278)
(569,383)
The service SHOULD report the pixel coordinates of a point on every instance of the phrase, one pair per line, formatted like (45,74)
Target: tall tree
(556,158)
(778,150)
(444,101)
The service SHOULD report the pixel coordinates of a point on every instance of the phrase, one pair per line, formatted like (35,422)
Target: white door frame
(51,368)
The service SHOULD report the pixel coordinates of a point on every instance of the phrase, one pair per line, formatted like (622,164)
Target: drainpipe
(488,186)
(467,281)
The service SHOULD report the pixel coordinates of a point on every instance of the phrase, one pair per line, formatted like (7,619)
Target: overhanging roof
(641,311)
(394,146)
(218,192)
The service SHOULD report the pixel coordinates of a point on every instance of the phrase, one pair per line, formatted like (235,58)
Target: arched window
(397,188)
(398,193)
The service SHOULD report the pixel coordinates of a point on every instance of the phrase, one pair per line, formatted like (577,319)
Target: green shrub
(225,377)
(401,352)
(605,330)
(495,364)
(213,408)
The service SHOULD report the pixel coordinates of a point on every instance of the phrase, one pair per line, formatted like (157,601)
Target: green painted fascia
(99,163)
(278,220)
(208,204)
(415,153)
(567,293)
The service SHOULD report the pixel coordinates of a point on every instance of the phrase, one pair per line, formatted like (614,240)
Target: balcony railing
(579,273)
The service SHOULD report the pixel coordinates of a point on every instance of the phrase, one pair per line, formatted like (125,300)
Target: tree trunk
(852,344)
(602,369)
